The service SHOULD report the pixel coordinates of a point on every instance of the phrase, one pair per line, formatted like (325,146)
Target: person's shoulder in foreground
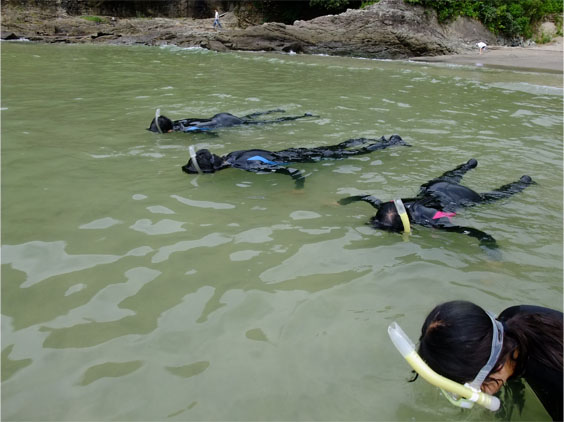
(458,341)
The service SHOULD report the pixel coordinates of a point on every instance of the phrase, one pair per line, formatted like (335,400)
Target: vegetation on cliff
(510,18)
(507,17)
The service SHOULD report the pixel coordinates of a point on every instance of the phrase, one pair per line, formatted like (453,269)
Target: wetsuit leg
(262,113)
(280,119)
(351,143)
(308,155)
(452,176)
(506,191)
(312,154)
(377,144)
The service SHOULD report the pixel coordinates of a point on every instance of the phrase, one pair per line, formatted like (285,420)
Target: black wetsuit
(262,161)
(546,382)
(437,200)
(219,120)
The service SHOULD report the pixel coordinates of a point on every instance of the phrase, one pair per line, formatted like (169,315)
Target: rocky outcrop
(390,29)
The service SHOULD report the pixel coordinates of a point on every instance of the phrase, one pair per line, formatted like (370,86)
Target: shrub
(508,17)
(96,19)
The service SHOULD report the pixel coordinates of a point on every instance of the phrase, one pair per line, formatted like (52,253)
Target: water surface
(133,291)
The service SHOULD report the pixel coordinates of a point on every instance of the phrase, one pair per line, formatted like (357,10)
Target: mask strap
(400,208)
(497,344)
(157,115)
(194,159)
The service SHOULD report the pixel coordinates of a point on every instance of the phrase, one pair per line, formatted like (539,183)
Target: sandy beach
(538,58)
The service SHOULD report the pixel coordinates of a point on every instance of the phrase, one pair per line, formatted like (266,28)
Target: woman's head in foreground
(456,342)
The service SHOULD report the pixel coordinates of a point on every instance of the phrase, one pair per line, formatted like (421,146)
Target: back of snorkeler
(262,161)
(436,203)
(162,124)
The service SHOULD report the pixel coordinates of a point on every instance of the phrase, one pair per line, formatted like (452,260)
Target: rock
(10,37)
(548,29)
(390,29)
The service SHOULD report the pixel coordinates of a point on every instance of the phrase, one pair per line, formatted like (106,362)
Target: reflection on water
(133,291)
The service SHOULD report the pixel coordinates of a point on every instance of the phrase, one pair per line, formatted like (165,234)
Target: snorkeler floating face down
(436,203)
(262,161)
(162,124)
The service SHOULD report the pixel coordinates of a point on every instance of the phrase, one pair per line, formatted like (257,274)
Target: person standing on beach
(216,20)
(482,46)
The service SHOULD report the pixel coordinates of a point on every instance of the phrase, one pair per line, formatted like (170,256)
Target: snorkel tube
(467,395)
(157,115)
(194,159)
(400,208)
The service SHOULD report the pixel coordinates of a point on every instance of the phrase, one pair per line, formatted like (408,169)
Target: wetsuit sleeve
(470,231)
(297,175)
(487,242)
(506,191)
(375,202)
(258,167)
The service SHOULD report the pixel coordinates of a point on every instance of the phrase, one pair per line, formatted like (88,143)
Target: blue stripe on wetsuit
(195,128)
(264,160)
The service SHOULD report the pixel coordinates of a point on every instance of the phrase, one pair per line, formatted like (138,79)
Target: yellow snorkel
(465,395)
(403,215)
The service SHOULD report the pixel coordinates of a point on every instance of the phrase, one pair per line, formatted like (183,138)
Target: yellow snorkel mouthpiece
(465,396)
(403,215)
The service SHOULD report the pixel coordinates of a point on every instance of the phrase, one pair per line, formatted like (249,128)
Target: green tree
(507,17)
(329,4)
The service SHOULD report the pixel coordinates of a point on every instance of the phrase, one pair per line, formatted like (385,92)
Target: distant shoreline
(302,37)
(540,58)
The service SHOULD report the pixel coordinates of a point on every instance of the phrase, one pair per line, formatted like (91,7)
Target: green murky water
(133,291)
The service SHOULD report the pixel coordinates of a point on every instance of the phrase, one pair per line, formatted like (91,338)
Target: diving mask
(476,384)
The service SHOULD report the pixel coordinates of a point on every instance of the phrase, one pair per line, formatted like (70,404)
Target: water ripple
(42,260)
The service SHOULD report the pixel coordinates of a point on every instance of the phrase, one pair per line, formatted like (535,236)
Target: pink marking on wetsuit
(441,214)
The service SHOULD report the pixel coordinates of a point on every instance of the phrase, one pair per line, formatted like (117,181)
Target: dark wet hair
(164,123)
(456,340)
(208,162)
(387,218)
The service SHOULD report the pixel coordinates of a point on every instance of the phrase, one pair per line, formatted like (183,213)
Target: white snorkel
(157,115)
(194,159)
(460,395)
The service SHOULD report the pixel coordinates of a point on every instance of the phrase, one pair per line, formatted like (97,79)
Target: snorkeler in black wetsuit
(162,124)
(436,204)
(261,161)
